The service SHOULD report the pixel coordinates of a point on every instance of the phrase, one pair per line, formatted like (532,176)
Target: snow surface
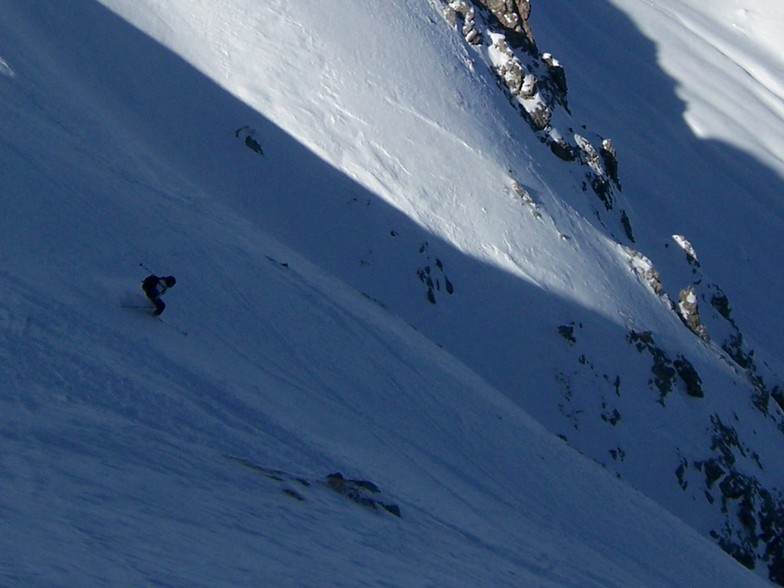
(691,94)
(299,336)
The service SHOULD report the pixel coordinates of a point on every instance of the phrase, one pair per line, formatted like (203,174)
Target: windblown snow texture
(410,286)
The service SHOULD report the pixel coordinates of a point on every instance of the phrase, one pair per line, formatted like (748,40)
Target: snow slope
(692,92)
(300,337)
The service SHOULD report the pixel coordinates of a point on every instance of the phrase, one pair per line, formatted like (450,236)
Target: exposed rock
(663,372)
(753,514)
(688,309)
(691,255)
(713,471)
(557,74)
(526,197)
(734,348)
(645,269)
(664,369)
(726,442)
(510,69)
(598,177)
(536,84)
(591,156)
(459,9)
(613,417)
(521,83)
(777,393)
(689,376)
(618,454)
(513,16)
(627,226)
(680,473)
(561,149)
(360,491)
(528,87)
(610,159)
(567,332)
(721,303)
(733,343)
(434,278)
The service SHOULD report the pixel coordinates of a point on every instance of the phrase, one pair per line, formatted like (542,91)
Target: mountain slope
(585,311)
(124,434)
(699,83)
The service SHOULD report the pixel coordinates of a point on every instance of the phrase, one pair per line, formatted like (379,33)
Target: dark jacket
(155,286)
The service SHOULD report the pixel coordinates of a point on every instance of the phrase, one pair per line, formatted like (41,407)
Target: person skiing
(155,287)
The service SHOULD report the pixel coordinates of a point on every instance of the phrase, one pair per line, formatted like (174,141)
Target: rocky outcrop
(598,178)
(361,492)
(688,309)
(691,255)
(665,370)
(521,83)
(567,332)
(751,525)
(645,270)
(610,160)
(705,308)
(753,515)
(536,84)
(513,15)
(461,12)
(433,275)
(527,199)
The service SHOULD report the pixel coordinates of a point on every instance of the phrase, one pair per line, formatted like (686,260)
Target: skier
(154,287)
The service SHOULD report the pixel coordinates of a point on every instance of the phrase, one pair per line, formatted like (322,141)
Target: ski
(173,327)
(149,310)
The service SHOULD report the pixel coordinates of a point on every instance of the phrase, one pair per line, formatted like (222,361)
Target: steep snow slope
(119,427)
(445,159)
(533,293)
(691,94)
(559,271)
(298,65)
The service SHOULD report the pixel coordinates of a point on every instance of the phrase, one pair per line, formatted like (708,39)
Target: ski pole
(145,267)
